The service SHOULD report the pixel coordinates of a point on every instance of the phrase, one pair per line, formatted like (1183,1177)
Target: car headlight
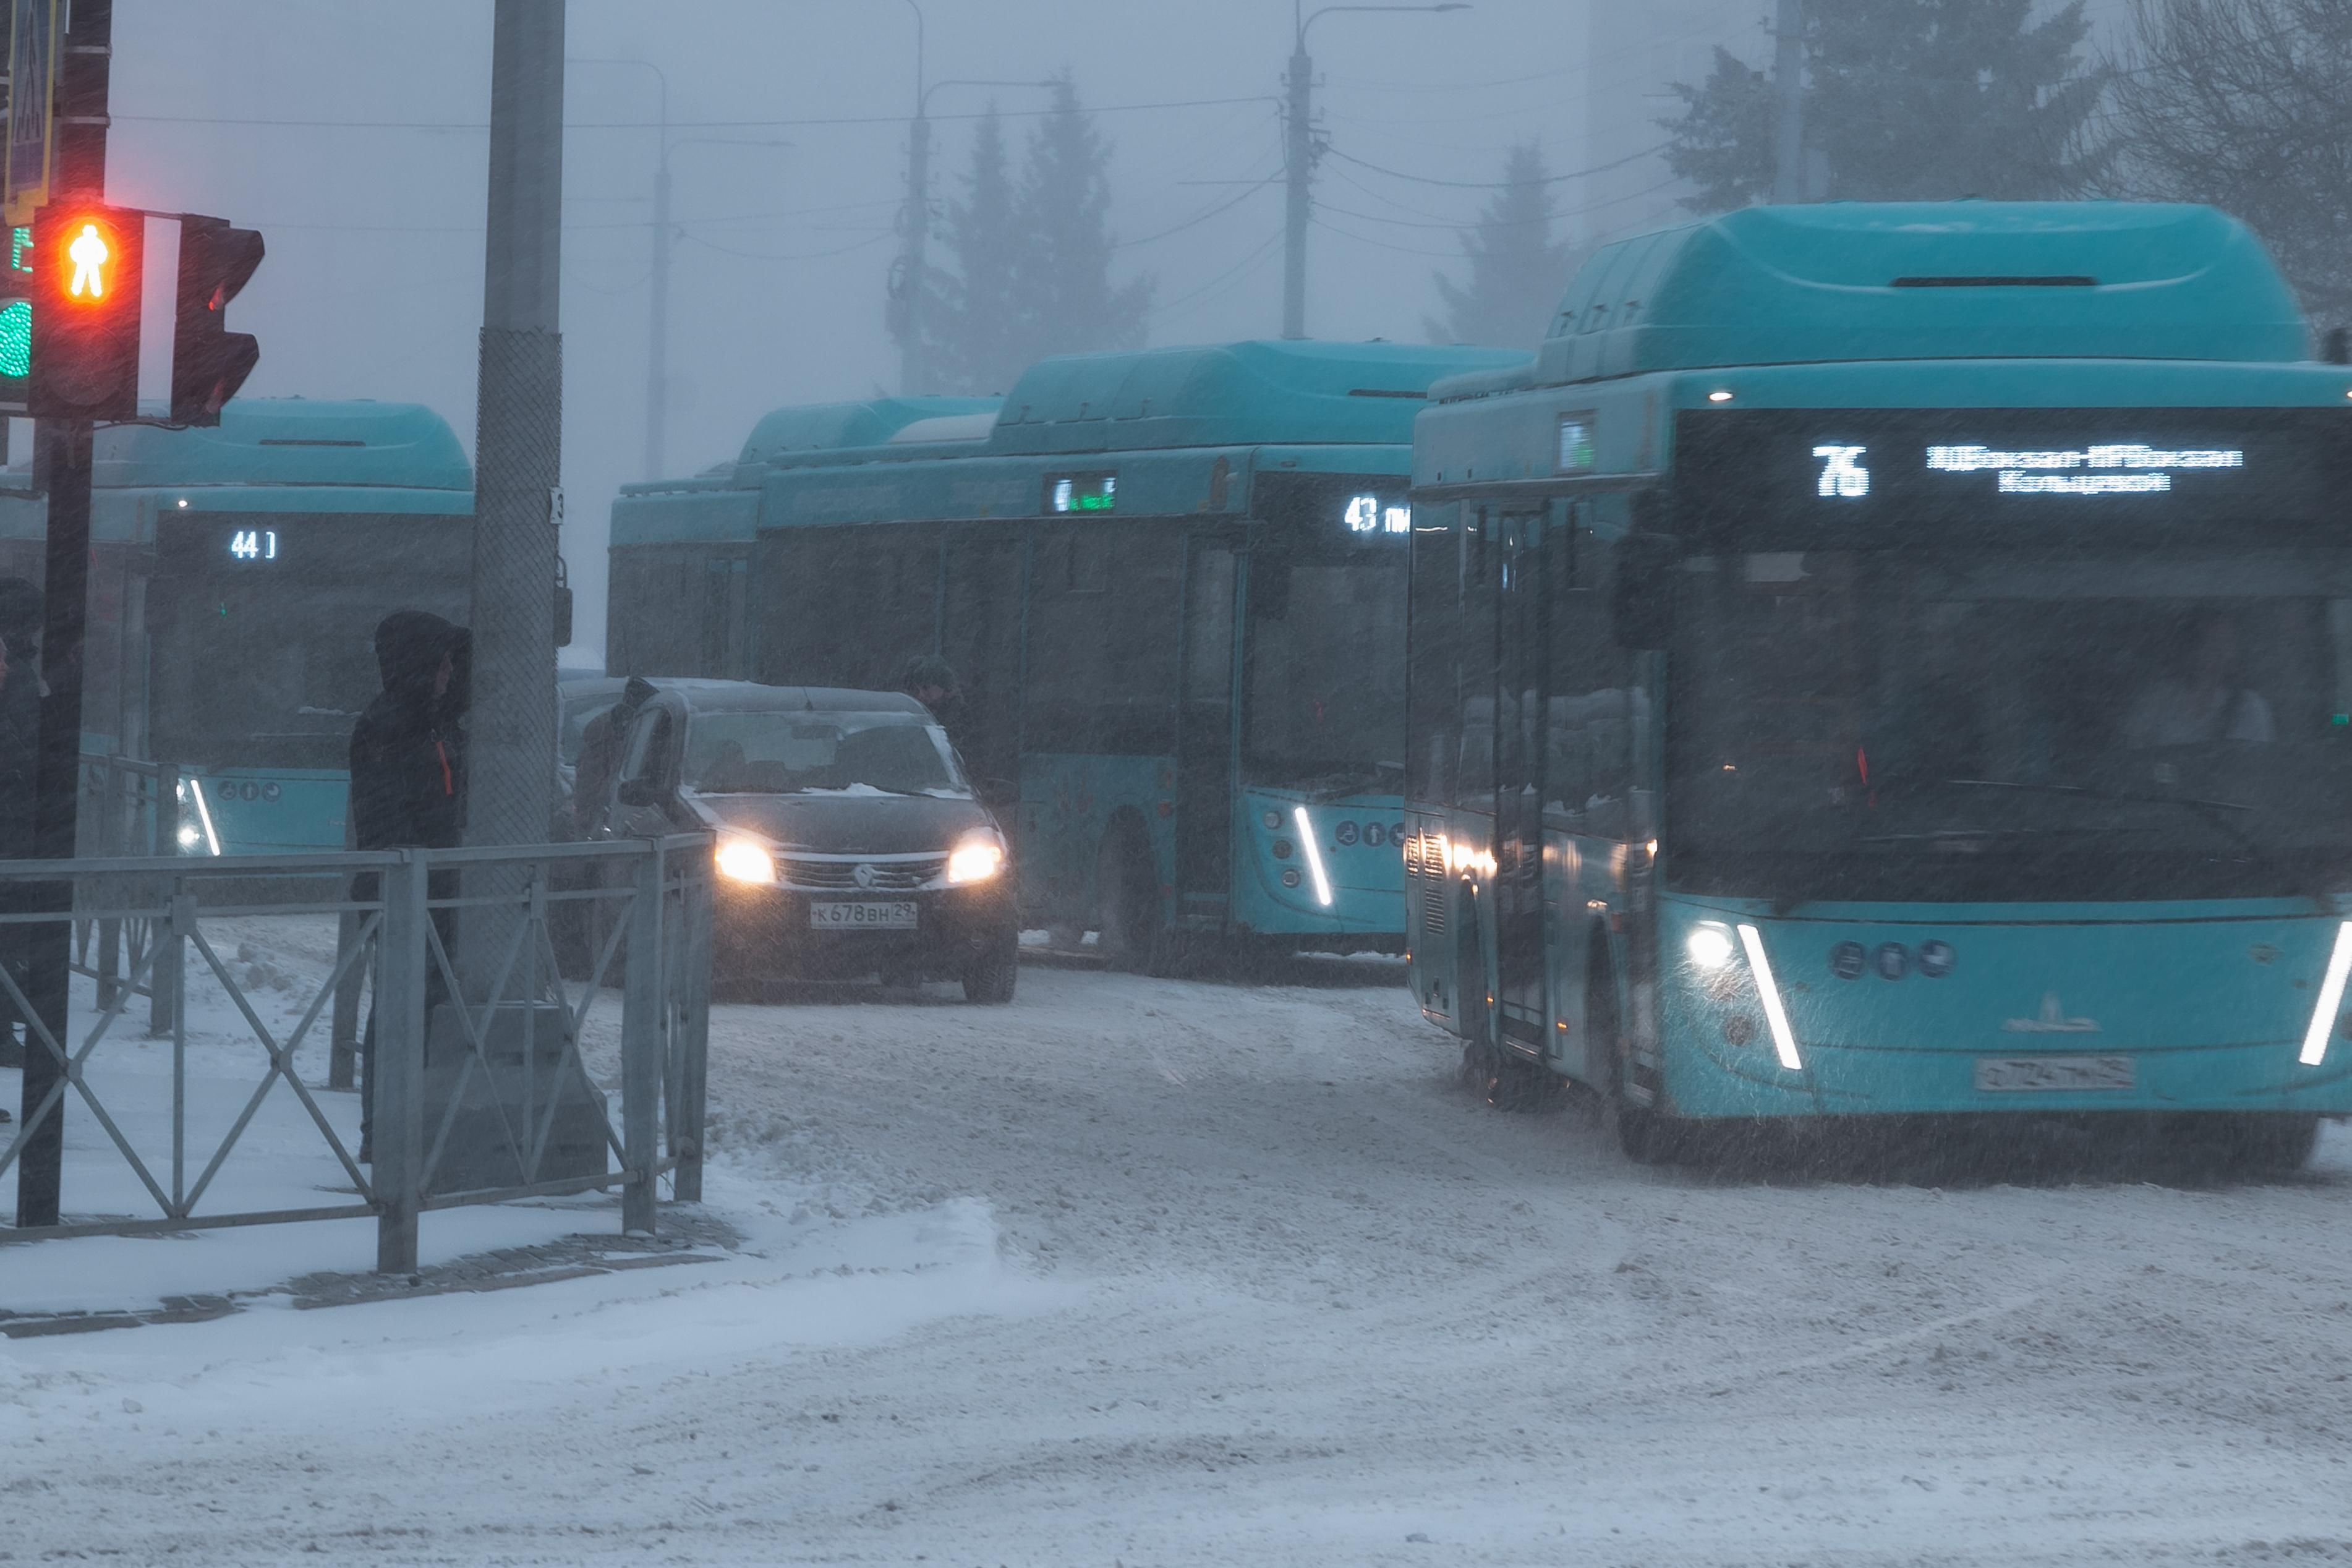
(745,861)
(974,860)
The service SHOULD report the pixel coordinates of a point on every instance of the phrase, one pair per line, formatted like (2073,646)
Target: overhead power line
(1499,184)
(678,124)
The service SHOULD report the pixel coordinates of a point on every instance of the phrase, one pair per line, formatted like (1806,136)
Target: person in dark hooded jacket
(407,755)
(408,778)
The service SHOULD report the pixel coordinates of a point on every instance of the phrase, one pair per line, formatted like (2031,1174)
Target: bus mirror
(640,792)
(1642,601)
(563,617)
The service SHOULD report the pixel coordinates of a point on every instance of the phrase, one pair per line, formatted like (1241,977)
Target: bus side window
(1433,697)
(1589,739)
(1475,774)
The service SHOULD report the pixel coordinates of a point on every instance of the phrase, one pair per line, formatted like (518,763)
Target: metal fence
(478,1102)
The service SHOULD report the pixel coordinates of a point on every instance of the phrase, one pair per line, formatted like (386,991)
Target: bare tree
(2247,104)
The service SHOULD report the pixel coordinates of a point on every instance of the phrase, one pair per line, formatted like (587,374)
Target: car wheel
(990,979)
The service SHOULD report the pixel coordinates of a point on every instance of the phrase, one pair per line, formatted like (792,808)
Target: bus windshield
(1880,725)
(271,673)
(808,753)
(1327,668)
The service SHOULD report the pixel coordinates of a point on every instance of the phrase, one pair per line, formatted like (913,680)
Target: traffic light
(86,301)
(209,363)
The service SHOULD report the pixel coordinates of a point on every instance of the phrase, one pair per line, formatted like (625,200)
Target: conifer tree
(1909,100)
(1063,298)
(975,335)
(1517,271)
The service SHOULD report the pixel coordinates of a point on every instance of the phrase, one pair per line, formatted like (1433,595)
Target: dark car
(849,842)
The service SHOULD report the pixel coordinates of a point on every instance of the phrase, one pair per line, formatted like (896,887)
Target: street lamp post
(664,237)
(1298,156)
(914,261)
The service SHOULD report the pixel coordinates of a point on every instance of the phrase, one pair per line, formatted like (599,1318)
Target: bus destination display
(1066,493)
(1905,468)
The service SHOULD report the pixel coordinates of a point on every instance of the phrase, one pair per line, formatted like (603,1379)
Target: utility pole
(518,443)
(914,374)
(1298,165)
(1789,83)
(1299,151)
(61,449)
(657,323)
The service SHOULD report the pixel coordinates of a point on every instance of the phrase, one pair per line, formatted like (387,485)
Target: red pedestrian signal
(209,363)
(86,300)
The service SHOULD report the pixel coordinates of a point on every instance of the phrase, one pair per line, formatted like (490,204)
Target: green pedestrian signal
(17,317)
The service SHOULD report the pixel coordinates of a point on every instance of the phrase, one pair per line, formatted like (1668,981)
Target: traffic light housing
(86,297)
(209,363)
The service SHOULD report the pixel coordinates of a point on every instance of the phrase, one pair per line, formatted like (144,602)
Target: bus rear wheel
(1126,906)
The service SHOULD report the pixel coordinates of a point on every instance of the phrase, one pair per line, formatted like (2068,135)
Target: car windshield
(1874,724)
(805,753)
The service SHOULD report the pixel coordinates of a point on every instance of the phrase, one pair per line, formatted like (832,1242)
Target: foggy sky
(373,285)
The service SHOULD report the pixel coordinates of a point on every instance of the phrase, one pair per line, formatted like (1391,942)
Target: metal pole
(1298,158)
(913,373)
(1789,82)
(657,330)
(517,452)
(62,454)
(397,1076)
(643,997)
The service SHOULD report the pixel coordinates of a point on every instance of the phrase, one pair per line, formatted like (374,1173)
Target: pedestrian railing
(489,968)
(128,807)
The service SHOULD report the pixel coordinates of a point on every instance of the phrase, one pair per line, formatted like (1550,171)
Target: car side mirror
(1641,599)
(640,792)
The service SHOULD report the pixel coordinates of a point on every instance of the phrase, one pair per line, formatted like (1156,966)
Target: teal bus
(1172,585)
(1894,660)
(236,575)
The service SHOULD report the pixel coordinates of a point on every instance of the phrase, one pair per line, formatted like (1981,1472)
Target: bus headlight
(974,860)
(745,861)
(1709,946)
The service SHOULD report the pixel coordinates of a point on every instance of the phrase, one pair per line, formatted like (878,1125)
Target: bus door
(1205,731)
(1516,564)
(981,594)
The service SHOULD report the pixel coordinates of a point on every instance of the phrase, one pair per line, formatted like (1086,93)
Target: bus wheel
(1646,1137)
(1127,911)
(2273,1144)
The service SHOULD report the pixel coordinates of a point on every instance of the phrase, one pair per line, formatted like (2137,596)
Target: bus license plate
(863,914)
(2053,1074)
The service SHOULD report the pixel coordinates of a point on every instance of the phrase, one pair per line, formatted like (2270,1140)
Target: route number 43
(254,544)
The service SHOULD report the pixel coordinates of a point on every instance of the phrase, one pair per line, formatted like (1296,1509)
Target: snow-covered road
(1152,1272)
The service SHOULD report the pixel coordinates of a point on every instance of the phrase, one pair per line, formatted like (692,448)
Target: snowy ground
(1185,1272)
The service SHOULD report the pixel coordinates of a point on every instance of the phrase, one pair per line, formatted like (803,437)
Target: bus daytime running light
(743,862)
(195,792)
(1314,852)
(1776,1017)
(974,860)
(2331,997)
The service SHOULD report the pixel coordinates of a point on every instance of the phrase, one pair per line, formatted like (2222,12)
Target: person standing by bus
(930,680)
(408,777)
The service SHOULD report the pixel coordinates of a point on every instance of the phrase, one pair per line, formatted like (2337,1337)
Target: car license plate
(2059,1074)
(863,914)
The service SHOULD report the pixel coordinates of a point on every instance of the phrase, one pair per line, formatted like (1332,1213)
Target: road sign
(35,30)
